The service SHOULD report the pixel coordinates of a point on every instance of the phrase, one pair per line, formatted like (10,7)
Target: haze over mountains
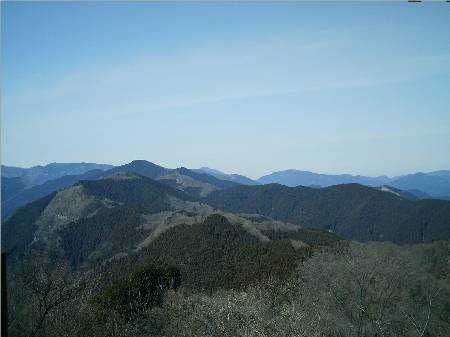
(15,195)
(21,186)
(238,178)
(37,175)
(436,184)
(347,208)
(421,185)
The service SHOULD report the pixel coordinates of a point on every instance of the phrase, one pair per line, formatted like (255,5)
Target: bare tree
(376,289)
(47,286)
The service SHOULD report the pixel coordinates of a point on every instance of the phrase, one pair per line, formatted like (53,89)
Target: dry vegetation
(375,289)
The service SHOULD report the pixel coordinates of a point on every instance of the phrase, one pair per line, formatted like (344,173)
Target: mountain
(237,178)
(352,211)
(127,219)
(25,196)
(18,231)
(294,178)
(206,178)
(406,195)
(109,199)
(218,253)
(37,175)
(11,187)
(142,167)
(196,184)
(439,173)
(126,247)
(210,171)
(435,184)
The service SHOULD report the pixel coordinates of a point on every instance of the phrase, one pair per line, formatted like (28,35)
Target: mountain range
(135,217)
(122,231)
(423,185)
(140,189)
(37,175)
(15,194)
(237,178)
(21,186)
(434,184)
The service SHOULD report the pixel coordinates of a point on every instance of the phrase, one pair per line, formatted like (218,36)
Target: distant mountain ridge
(33,193)
(435,184)
(294,178)
(237,178)
(439,173)
(37,175)
(102,213)
(21,186)
(193,183)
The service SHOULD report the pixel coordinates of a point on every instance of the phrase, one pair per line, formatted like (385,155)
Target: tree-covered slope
(193,183)
(90,201)
(95,220)
(217,253)
(31,194)
(11,187)
(133,189)
(142,167)
(436,184)
(206,178)
(352,211)
(17,232)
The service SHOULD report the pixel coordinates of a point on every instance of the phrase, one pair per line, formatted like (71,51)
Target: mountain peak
(212,171)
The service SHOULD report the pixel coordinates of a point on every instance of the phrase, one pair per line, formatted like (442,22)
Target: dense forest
(352,211)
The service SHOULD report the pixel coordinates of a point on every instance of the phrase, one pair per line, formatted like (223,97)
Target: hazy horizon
(247,88)
(237,172)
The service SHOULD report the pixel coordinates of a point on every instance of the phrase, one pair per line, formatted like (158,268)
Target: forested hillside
(25,196)
(16,194)
(352,211)
(127,255)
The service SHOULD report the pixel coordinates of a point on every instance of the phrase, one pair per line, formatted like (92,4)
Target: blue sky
(242,87)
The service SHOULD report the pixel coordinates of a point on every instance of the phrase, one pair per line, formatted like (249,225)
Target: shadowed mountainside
(352,211)
(435,184)
(237,178)
(196,184)
(38,175)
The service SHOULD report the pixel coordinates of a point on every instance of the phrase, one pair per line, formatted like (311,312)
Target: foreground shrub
(141,290)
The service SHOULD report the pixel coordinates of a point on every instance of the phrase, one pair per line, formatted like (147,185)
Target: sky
(250,88)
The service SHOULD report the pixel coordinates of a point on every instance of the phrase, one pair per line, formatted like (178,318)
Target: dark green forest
(352,211)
